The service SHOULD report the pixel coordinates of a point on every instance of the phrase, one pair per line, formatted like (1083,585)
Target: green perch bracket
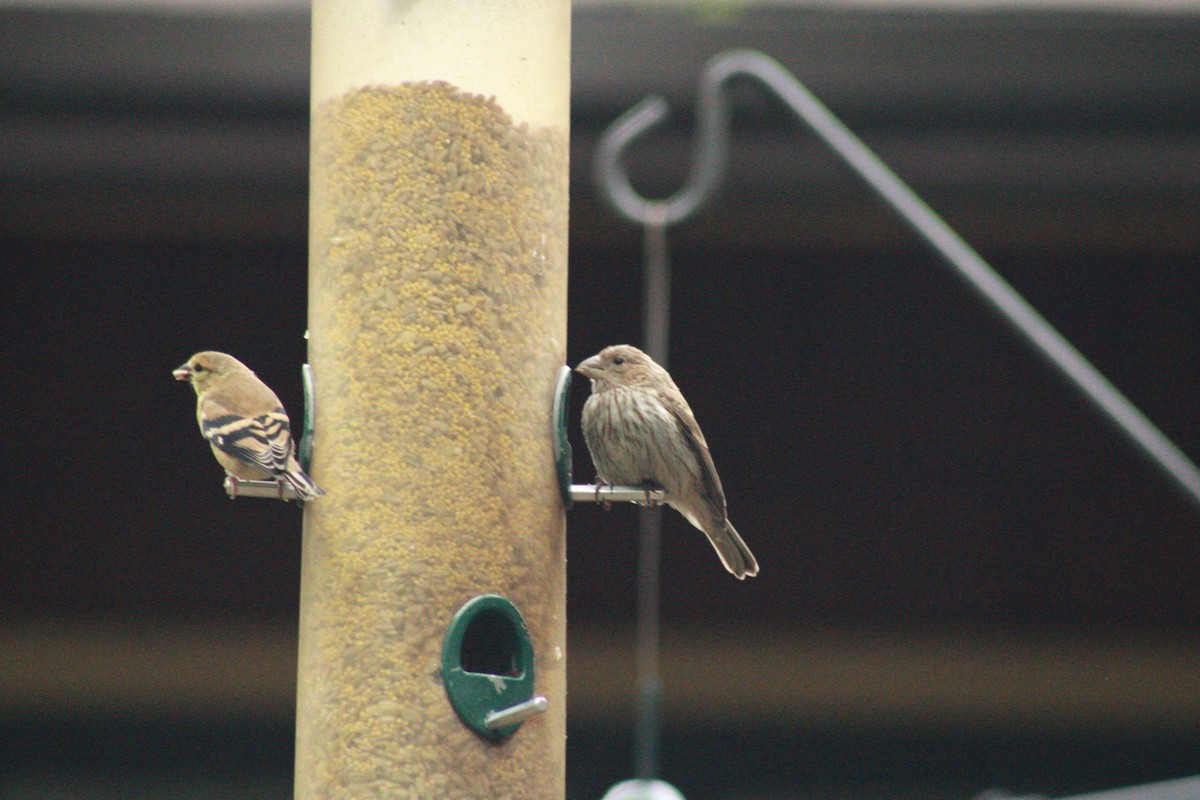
(487,667)
(304,448)
(562,447)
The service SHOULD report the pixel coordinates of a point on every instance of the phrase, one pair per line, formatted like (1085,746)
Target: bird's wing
(682,413)
(264,441)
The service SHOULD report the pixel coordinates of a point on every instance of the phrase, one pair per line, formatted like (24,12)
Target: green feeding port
(487,667)
(490,645)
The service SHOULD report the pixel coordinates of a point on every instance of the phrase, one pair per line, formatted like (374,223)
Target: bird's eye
(198,368)
(618,361)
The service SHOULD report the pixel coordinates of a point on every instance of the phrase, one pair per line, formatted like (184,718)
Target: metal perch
(593,493)
(276,490)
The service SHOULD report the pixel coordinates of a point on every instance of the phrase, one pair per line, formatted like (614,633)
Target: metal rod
(1180,789)
(596,493)
(580,492)
(656,330)
(649,696)
(516,714)
(708,164)
(275,490)
(656,290)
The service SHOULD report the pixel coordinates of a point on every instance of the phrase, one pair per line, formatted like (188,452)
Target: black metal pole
(656,291)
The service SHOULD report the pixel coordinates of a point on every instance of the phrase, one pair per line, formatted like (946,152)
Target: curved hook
(712,140)
(708,158)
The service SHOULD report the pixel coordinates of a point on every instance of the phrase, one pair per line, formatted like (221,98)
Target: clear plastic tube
(437,320)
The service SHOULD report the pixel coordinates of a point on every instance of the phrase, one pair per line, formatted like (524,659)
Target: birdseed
(437,316)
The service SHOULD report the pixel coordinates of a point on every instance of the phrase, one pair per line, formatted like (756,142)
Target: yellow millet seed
(437,322)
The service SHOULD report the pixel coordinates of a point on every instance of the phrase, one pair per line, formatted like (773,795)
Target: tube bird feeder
(437,329)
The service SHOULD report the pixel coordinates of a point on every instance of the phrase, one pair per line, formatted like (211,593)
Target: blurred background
(970,581)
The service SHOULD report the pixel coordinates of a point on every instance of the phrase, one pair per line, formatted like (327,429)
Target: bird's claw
(600,484)
(648,487)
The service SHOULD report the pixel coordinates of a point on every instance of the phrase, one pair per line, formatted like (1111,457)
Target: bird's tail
(304,486)
(734,553)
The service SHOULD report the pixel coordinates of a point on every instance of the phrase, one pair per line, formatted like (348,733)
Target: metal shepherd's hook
(708,167)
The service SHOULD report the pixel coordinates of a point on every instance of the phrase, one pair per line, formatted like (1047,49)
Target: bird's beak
(590,367)
(184,373)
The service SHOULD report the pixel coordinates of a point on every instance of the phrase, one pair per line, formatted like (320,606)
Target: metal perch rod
(592,493)
(237,487)
(517,714)
(708,167)
(580,492)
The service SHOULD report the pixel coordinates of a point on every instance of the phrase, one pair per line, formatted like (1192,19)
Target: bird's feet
(648,487)
(600,484)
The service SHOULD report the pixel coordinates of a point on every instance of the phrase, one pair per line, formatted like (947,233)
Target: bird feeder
(437,322)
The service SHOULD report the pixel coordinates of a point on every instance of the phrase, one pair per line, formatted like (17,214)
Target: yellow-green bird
(244,422)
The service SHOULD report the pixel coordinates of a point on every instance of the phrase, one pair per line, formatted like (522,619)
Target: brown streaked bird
(244,422)
(641,432)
